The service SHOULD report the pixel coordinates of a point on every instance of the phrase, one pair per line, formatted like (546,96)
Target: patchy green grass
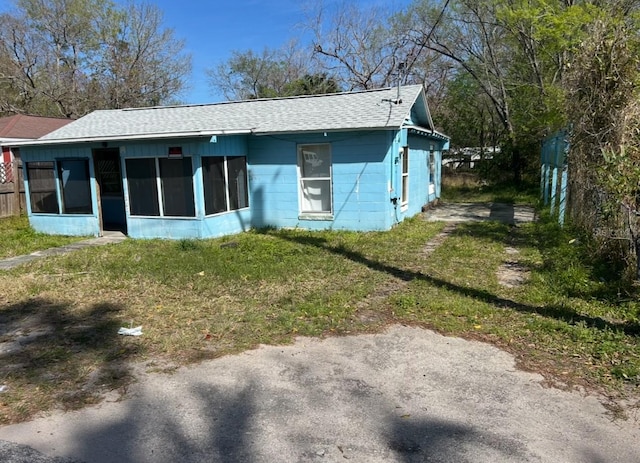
(19,238)
(569,321)
(454,190)
(199,299)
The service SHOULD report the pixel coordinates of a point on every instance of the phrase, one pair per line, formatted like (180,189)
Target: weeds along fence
(569,185)
(12,198)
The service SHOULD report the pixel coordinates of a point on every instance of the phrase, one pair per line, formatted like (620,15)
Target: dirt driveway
(465,212)
(406,395)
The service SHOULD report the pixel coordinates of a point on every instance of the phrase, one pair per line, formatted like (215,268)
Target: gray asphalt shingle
(373,109)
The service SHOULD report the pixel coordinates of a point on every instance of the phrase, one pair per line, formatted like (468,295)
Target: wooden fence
(12,197)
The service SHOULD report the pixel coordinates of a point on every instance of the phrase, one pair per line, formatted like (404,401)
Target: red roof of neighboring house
(31,127)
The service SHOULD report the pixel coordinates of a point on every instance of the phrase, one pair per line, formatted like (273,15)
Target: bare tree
(287,71)
(69,57)
(355,44)
(143,63)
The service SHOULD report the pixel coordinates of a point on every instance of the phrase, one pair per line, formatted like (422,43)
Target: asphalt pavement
(405,395)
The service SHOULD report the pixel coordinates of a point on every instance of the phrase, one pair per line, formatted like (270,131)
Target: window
(42,187)
(238,193)
(176,176)
(143,188)
(404,200)
(432,165)
(225,184)
(314,166)
(174,185)
(215,185)
(74,186)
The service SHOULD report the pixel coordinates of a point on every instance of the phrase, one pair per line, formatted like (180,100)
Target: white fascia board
(146,136)
(424,131)
(310,131)
(11,141)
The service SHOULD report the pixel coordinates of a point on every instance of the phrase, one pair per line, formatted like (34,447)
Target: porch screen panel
(238,194)
(75,186)
(315,178)
(143,190)
(42,187)
(176,177)
(215,186)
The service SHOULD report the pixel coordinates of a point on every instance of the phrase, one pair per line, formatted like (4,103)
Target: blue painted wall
(62,224)
(360,175)
(366,175)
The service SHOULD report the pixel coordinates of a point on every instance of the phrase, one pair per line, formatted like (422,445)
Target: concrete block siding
(367,134)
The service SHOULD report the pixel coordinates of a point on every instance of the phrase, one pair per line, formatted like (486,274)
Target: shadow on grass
(560,313)
(60,355)
(570,262)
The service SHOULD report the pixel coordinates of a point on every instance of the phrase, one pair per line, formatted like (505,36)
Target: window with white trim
(404,199)
(160,187)
(225,183)
(432,165)
(314,171)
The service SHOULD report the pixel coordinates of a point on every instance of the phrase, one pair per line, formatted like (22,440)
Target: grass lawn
(201,299)
(18,238)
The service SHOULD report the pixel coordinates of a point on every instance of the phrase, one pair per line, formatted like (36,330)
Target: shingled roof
(374,109)
(22,126)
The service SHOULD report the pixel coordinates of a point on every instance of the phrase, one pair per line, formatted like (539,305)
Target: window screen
(143,190)
(42,188)
(238,194)
(75,186)
(225,184)
(215,199)
(176,176)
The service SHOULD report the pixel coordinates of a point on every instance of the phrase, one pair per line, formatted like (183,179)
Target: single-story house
(350,161)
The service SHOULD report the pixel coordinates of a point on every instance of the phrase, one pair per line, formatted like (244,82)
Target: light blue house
(349,161)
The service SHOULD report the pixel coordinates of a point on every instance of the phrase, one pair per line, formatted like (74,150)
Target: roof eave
(431,132)
(147,136)
(320,130)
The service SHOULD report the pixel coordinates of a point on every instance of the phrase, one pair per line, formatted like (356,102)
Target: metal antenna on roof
(400,69)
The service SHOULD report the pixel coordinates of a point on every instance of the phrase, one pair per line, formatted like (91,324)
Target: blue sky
(212,29)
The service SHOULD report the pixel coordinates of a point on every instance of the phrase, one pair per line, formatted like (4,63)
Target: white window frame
(432,165)
(404,178)
(432,169)
(301,181)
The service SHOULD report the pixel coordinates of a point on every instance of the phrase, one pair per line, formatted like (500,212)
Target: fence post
(16,188)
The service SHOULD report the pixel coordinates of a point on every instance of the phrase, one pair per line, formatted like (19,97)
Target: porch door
(106,163)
